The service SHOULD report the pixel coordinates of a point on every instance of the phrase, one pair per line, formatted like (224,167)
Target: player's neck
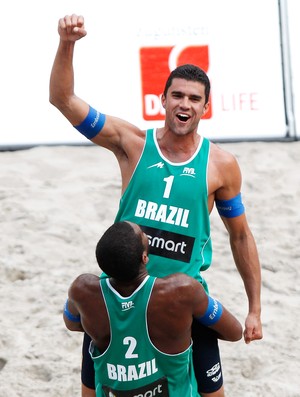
(126,288)
(176,147)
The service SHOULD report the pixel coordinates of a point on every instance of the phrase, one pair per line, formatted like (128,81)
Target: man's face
(184,105)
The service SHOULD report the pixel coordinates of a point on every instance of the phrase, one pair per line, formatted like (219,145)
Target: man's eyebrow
(177,92)
(193,96)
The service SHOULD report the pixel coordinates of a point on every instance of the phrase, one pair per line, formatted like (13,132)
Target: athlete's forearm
(247,262)
(221,320)
(228,327)
(62,94)
(62,75)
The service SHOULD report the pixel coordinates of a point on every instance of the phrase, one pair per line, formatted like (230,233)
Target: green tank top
(169,201)
(132,365)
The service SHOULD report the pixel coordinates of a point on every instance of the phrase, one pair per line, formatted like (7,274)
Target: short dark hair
(191,73)
(119,251)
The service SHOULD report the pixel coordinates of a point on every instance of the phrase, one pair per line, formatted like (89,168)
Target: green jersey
(169,202)
(132,366)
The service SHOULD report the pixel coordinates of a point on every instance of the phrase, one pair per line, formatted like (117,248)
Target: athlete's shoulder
(222,160)
(178,284)
(84,284)
(224,173)
(221,153)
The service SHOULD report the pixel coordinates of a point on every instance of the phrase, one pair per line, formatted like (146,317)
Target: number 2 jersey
(132,366)
(169,202)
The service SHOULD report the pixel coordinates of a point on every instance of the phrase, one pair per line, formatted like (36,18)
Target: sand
(55,203)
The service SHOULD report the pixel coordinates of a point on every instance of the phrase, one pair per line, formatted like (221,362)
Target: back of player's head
(119,251)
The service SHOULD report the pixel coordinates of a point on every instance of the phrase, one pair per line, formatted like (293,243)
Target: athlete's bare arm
(124,139)
(228,327)
(225,182)
(224,176)
(70,29)
(175,301)
(85,299)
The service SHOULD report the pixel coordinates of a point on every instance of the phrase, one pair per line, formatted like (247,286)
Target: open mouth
(182,117)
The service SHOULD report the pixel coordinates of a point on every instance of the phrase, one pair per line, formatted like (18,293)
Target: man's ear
(145,258)
(205,108)
(163,101)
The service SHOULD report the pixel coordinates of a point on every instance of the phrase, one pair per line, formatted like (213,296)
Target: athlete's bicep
(119,136)
(231,180)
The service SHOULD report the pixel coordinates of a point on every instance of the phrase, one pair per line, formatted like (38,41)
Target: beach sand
(55,203)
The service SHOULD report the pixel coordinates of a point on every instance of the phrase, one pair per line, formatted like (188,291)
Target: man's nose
(185,102)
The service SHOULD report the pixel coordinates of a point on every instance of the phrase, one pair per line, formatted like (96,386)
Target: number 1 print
(169,182)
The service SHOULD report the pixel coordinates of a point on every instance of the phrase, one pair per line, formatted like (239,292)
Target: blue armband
(69,315)
(213,312)
(231,208)
(92,124)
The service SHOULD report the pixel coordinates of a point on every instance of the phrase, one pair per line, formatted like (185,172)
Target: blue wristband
(92,124)
(231,208)
(213,312)
(69,315)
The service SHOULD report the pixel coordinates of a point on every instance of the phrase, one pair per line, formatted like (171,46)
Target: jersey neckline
(171,162)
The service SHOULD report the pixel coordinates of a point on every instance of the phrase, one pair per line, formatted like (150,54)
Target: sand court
(55,203)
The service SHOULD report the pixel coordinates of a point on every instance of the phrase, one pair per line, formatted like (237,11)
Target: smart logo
(156,65)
